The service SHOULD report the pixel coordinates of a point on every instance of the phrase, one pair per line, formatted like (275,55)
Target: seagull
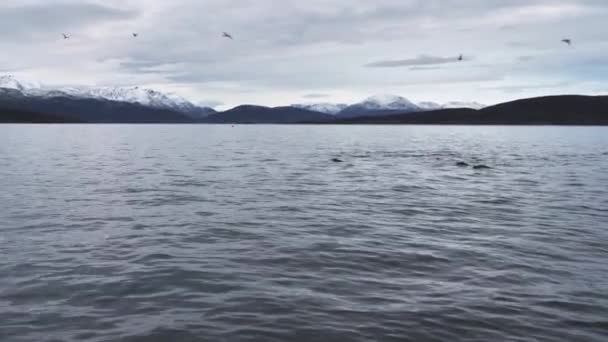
(567,41)
(460,58)
(65,36)
(135,35)
(227,35)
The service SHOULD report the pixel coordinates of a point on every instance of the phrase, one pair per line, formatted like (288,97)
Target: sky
(295,51)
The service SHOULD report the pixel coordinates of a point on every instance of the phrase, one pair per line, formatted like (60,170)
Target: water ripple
(251,233)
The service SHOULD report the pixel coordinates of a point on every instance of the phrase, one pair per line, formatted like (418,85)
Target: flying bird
(567,41)
(65,36)
(135,35)
(227,35)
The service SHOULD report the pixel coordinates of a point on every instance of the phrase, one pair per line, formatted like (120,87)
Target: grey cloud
(424,68)
(211,103)
(295,47)
(420,60)
(315,96)
(33,20)
(507,27)
(518,88)
(525,58)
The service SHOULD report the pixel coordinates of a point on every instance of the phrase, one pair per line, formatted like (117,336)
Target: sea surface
(185,233)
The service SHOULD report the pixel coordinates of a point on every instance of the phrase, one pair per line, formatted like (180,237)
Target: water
(251,233)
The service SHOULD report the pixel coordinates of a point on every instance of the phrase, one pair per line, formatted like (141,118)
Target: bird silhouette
(135,35)
(227,35)
(65,36)
(461,58)
(567,41)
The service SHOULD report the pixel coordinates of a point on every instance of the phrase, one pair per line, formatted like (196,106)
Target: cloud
(420,60)
(518,88)
(211,103)
(424,68)
(42,20)
(315,96)
(288,48)
(525,58)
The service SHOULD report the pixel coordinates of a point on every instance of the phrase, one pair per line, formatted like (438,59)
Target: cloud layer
(283,52)
(418,61)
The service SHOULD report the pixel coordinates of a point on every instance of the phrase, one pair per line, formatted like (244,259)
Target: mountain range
(102,104)
(29,102)
(380,105)
(135,104)
(547,110)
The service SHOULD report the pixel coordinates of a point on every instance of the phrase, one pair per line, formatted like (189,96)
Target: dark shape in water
(481,167)
(462,164)
(337,160)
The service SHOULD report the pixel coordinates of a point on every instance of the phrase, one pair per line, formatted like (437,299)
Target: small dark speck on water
(481,167)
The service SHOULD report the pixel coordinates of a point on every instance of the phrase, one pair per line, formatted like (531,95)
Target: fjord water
(252,233)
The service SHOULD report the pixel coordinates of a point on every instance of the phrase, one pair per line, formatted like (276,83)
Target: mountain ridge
(128,104)
(21,102)
(545,110)
(260,114)
(76,109)
(384,104)
(135,95)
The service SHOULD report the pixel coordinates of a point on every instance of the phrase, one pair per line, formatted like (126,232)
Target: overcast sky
(296,51)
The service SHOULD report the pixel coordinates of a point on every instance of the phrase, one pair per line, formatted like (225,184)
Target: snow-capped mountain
(11,82)
(134,95)
(383,105)
(379,105)
(105,101)
(142,96)
(387,102)
(147,97)
(326,108)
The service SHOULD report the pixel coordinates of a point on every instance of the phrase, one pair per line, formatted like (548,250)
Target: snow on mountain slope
(387,102)
(375,105)
(11,82)
(379,105)
(142,96)
(382,105)
(326,108)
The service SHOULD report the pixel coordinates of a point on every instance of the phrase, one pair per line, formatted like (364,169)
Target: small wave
(104,219)
(412,188)
(395,243)
(153,257)
(190,184)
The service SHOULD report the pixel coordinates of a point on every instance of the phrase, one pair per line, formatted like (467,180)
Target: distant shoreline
(561,110)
